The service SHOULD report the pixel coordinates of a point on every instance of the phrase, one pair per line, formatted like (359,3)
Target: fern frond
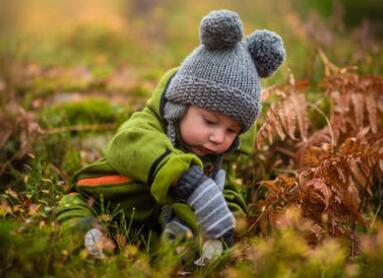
(356,103)
(285,116)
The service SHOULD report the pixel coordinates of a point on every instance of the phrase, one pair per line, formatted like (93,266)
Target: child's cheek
(227,144)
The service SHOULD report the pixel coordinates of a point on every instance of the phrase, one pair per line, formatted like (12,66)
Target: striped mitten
(220,178)
(207,201)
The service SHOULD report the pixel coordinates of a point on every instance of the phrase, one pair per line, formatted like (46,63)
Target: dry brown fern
(282,191)
(337,168)
(350,176)
(332,193)
(285,116)
(334,181)
(356,103)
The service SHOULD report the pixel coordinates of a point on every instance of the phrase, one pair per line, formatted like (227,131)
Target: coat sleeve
(141,150)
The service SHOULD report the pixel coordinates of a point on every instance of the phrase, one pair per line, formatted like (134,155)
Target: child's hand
(211,250)
(206,198)
(94,243)
(176,228)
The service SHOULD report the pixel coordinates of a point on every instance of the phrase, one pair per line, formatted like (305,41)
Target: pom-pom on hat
(223,73)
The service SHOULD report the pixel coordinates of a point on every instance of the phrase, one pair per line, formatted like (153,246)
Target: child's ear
(267,50)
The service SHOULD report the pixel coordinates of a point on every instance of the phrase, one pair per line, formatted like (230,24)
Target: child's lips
(204,151)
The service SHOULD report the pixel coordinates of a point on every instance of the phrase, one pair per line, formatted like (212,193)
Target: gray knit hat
(223,74)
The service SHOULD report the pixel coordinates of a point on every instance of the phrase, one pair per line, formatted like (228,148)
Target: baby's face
(207,132)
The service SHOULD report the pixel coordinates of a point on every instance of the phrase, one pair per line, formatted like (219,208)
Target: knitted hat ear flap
(172,113)
(267,50)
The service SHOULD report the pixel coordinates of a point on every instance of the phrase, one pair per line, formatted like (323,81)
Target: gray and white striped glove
(209,205)
(220,178)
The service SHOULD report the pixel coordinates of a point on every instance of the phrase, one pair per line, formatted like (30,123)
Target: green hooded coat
(139,165)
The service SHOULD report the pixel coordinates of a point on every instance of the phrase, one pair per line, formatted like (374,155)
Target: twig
(286,171)
(375,216)
(286,152)
(328,123)
(80,128)
(9,162)
(61,174)
(328,66)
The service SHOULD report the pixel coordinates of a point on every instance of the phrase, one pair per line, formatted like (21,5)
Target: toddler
(163,165)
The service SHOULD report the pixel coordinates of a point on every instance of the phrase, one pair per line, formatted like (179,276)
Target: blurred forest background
(72,71)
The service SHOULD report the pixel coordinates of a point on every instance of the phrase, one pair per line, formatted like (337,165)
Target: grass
(80,76)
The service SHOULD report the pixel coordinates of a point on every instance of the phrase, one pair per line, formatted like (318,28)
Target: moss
(86,111)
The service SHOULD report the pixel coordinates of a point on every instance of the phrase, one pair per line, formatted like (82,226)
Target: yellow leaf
(12,193)
(5,209)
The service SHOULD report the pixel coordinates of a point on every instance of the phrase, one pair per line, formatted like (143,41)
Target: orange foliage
(287,115)
(337,167)
(357,102)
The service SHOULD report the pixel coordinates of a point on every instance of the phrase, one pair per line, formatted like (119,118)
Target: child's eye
(232,131)
(209,122)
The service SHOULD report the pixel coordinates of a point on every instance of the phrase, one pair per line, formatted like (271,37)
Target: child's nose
(217,137)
